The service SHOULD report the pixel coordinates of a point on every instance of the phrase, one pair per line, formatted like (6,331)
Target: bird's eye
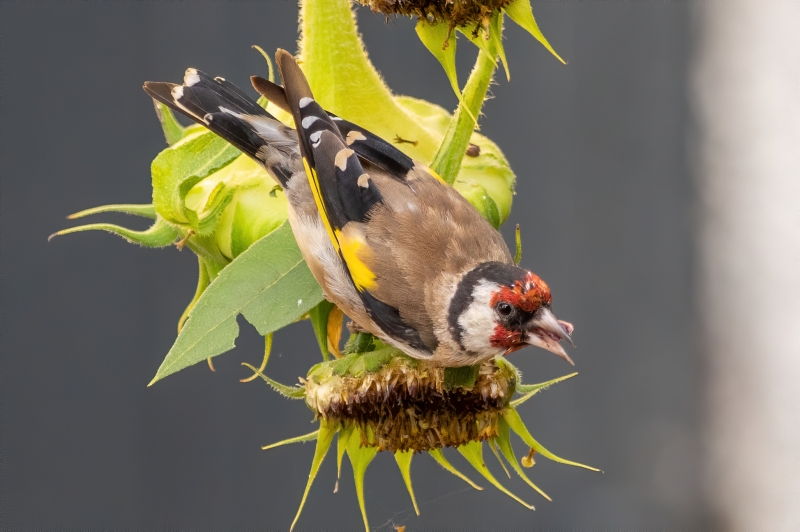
(504,309)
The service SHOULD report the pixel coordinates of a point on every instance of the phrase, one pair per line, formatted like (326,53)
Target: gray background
(604,197)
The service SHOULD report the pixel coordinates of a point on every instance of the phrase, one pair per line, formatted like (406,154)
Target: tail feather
(230,113)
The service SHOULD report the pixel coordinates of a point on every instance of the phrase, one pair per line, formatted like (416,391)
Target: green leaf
(195,156)
(515,422)
(438,455)
(403,460)
(324,439)
(532,389)
(319,321)
(297,439)
(290,392)
(473,452)
(145,211)
(520,12)
(518,239)
(360,458)
(159,235)
(173,130)
(269,284)
(503,440)
(441,42)
(463,377)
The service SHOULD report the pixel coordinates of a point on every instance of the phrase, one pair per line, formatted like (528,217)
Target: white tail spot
(307,121)
(191,77)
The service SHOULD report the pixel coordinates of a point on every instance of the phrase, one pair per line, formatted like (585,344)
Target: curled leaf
(260,371)
(203,281)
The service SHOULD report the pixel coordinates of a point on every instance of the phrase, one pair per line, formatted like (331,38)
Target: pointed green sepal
(297,439)
(403,460)
(344,436)
(173,130)
(515,422)
(503,440)
(438,455)
(159,235)
(203,281)
(473,452)
(440,41)
(290,392)
(518,254)
(262,101)
(493,447)
(520,12)
(324,439)
(360,457)
(143,210)
(532,389)
(267,350)
(496,37)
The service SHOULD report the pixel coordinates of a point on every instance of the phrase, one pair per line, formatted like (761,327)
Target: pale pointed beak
(546,332)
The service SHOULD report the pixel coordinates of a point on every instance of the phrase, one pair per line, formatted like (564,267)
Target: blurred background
(658,193)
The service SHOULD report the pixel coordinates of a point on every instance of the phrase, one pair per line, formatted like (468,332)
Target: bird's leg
(354,327)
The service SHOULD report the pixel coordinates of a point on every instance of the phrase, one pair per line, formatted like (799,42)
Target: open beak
(546,332)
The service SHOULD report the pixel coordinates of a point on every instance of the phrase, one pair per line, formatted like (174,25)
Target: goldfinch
(403,254)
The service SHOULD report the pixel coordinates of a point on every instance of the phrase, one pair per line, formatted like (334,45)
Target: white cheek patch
(478,320)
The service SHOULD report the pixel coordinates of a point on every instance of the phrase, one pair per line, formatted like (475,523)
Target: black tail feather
(226,110)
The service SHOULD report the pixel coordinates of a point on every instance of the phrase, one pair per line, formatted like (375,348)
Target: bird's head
(498,308)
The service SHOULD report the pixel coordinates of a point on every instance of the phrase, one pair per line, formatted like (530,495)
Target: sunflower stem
(447,161)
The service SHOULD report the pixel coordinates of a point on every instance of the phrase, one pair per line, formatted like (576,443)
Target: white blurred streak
(746,80)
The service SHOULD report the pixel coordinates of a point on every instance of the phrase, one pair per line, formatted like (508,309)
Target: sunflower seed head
(407,404)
